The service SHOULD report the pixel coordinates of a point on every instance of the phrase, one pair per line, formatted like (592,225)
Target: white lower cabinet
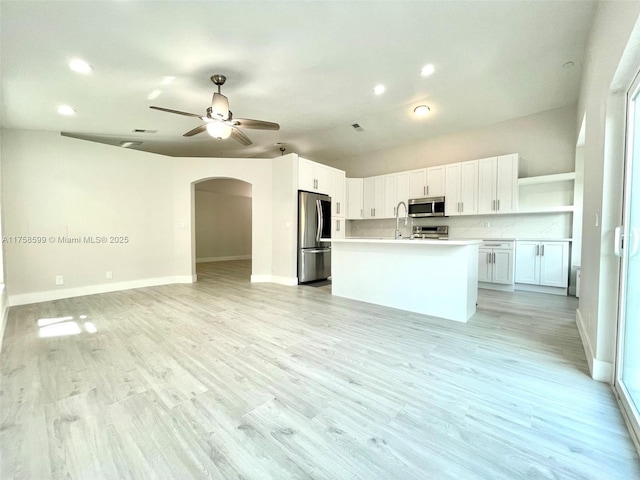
(542,266)
(495,264)
(338,226)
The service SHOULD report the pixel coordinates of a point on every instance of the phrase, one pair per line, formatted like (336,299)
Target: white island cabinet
(432,277)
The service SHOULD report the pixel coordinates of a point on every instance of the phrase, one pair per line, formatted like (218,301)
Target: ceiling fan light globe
(218,130)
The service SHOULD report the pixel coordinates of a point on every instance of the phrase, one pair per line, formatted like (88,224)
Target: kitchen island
(432,277)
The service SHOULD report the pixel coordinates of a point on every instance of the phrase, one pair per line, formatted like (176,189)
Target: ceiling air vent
(142,130)
(357,127)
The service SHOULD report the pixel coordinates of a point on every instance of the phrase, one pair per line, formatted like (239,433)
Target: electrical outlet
(59,280)
(109,275)
(486,224)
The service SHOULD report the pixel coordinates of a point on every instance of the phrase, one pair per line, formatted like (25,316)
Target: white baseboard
(496,286)
(601,371)
(289,281)
(223,259)
(36,297)
(541,289)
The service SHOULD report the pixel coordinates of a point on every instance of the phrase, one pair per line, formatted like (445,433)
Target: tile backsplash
(530,226)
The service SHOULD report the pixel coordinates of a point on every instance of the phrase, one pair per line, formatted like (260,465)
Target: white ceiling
(310,66)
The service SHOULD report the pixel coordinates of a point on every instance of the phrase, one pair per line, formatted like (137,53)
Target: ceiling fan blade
(257,124)
(238,136)
(177,111)
(220,106)
(195,131)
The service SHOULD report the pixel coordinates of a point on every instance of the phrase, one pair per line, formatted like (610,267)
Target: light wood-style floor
(225,379)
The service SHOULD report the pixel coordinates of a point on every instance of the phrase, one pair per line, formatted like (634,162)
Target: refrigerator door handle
(317,250)
(319,230)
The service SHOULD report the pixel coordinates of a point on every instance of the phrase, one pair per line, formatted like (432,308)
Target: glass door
(626,245)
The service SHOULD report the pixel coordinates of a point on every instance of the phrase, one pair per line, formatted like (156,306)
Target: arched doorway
(222,222)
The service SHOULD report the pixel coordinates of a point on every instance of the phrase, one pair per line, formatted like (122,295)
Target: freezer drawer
(314,264)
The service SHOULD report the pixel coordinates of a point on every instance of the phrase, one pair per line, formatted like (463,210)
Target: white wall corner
(599,370)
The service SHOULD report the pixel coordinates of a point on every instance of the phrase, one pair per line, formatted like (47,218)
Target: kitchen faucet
(406,218)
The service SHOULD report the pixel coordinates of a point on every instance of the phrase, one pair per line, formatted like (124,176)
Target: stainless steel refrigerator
(314,233)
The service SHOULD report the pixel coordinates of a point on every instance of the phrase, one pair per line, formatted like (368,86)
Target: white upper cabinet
(498,184)
(417,183)
(390,193)
(306,177)
(469,188)
(315,177)
(507,183)
(435,181)
(461,188)
(337,228)
(402,190)
(452,189)
(355,209)
(338,204)
(374,196)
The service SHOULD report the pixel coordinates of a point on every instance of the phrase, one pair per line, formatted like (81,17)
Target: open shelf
(558,177)
(560,209)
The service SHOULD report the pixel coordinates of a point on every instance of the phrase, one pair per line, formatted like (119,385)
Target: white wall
(545,141)
(285,219)
(601,105)
(222,222)
(4,309)
(56,186)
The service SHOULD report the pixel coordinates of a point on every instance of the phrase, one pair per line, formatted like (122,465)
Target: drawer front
(506,245)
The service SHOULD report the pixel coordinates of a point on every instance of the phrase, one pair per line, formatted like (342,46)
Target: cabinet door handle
(337,225)
(461,207)
(537,250)
(488,259)
(498,207)
(394,211)
(338,207)
(494,257)
(427,190)
(362,213)
(542,254)
(424,190)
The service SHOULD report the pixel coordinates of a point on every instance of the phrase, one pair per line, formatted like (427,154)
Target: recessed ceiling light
(421,110)
(379,89)
(168,80)
(153,95)
(66,110)
(427,70)
(80,66)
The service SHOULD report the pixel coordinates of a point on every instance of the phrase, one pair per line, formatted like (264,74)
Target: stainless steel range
(432,233)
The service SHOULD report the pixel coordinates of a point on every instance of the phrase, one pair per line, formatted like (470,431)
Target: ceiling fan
(219,121)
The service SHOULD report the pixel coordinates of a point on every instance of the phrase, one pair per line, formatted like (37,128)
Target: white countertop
(406,241)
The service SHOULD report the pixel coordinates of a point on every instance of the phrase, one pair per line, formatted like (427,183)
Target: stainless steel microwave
(426,207)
